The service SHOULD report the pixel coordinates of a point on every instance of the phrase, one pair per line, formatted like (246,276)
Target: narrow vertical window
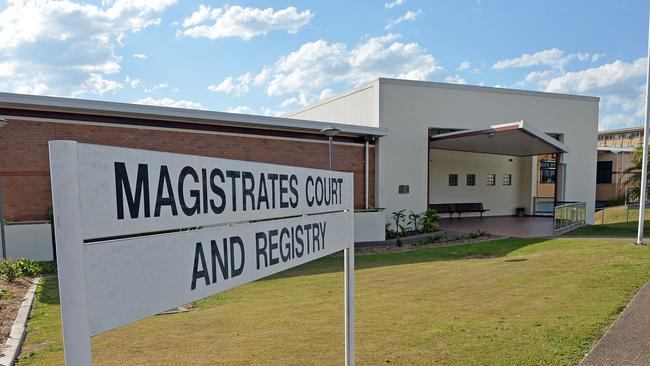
(507,179)
(471,179)
(453,180)
(491,179)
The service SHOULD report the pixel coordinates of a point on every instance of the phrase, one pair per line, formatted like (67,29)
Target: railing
(568,215)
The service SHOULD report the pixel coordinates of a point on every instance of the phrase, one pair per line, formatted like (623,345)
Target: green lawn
(622,230)
(617,214)
(506,302)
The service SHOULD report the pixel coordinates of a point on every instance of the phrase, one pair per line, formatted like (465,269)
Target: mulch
(434,244)
(10,301)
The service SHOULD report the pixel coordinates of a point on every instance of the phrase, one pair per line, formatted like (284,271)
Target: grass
(506,302)
(621,230)
(617,214)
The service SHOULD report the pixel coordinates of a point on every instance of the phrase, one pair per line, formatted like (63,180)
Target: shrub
(415,220)
(430,221)
(8,270)
(399,217)
(389,232)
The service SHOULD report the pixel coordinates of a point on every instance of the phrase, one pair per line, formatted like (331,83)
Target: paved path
(627,342)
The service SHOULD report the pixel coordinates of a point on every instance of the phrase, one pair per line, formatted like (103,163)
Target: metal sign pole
(644,168)
(348,262)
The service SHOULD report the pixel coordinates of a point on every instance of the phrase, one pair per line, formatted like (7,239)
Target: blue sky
(273,57)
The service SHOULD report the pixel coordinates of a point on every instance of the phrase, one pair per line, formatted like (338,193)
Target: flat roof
(488,89)
(512,139)
(615,150)
(11,101)
(436,84)
(620,130)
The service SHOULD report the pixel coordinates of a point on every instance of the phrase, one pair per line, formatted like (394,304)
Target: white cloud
(96,84)
(464,65)
(326,93)
(620,85)
(553,57)
(168,102)
(241,109)
(289,102)
(319,65)
(245,23)
(605,78)
(156,87)
(140,56)
(393,4)
(618,120)
(457,79)
(238,87)
(410,16)
(63,47)
(133,82)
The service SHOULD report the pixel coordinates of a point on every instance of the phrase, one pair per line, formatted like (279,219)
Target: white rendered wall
(407,110)
(369,226)
(499,199)
(358,107)
(31,241)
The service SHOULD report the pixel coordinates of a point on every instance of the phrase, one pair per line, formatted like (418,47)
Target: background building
(412,172)
(408,143)
(624,137)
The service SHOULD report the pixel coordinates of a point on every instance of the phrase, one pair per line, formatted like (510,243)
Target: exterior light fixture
(3,121)
(330,132)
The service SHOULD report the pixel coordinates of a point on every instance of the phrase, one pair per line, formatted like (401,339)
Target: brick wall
(24,163)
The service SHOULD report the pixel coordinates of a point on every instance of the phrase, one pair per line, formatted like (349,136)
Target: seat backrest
(442,207)
(469,207)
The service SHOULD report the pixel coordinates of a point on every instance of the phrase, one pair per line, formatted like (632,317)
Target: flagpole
(644,167)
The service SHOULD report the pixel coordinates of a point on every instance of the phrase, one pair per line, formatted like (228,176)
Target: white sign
(139,232)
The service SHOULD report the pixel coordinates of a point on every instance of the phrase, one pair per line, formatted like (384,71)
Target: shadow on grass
(490,249)
(622,229)
(48,292)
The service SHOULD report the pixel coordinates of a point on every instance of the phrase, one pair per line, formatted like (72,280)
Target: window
(604,172)
(471,179)
(507,179)
(547,171)
(453,180)
(491,179)
(403,189)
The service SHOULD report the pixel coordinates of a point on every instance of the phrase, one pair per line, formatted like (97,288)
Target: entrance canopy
(515,139)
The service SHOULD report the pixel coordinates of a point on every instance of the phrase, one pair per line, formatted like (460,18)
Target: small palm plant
(633,174)
(399,217)
(415,220)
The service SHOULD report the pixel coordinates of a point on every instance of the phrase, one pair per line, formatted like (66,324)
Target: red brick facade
(24,163)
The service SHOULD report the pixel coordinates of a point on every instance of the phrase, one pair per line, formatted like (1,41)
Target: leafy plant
(26,268)
(415,220)
(8,270)
(400,218)
(389,231)
(477,234)
(430,221)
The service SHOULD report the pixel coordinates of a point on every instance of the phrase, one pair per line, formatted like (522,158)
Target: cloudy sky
(273,57)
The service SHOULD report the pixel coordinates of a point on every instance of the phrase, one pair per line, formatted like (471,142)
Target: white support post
(70,258)
(348,255)
(644,168)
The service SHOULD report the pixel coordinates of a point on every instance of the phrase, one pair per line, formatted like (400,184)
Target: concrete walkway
(627,342)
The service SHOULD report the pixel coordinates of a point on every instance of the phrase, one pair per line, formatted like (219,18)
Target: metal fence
(568,215)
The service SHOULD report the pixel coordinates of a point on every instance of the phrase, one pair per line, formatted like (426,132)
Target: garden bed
(11,296)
